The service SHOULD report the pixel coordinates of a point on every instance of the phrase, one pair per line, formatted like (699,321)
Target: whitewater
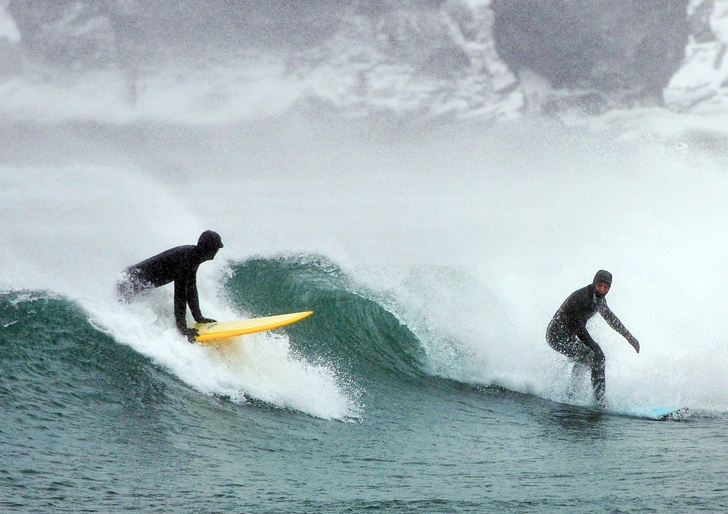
(433,252)
(471,235)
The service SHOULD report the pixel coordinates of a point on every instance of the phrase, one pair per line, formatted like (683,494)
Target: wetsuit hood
(602,276)
(208,244)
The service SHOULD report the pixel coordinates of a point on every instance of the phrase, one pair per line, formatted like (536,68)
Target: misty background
(417,58)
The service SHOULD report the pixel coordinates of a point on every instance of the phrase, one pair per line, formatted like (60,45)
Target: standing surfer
(567,333)
(178,265)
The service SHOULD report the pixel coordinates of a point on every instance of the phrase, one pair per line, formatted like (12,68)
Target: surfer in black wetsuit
(567,333)
(179,265)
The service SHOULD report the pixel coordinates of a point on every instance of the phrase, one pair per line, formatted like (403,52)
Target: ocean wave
(348,329)
(54,358)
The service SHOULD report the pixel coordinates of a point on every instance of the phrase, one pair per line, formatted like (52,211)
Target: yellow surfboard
(227,329)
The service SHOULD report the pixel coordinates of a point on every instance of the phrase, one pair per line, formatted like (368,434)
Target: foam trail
(260,366)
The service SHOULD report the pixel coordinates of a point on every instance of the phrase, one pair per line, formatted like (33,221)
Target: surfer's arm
(180,304)
(180,310)
(193,300)
(614,322)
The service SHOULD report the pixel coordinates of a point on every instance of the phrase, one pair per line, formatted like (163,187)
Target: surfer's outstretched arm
(614,322)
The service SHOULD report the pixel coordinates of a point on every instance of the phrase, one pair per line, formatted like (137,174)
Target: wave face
(72,398)
(349,330)
(54,346)
(55,361)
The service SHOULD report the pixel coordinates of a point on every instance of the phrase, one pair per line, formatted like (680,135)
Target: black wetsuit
(178,265)
(567,333)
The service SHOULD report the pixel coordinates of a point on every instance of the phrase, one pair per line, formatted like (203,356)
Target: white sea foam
(260,366)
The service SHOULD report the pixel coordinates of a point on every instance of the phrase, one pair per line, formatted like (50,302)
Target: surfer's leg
(579,370)
(598,378)
(572,347)
(567,344)
(559,339)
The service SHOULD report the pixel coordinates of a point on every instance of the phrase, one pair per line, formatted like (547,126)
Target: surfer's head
(208,244)
(602,282)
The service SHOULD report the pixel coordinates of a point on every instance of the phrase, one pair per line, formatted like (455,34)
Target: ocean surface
(433,251)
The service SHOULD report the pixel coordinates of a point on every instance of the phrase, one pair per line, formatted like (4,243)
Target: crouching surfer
(178,265)
(567,333)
